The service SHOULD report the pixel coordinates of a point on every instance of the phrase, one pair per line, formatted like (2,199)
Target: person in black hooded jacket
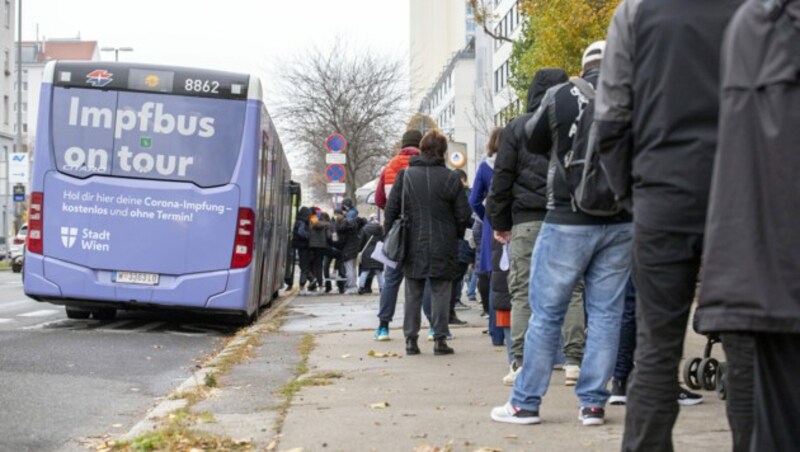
(300,244)
(518,204)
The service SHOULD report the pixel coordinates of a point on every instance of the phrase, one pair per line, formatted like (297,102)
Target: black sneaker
(454,320)
(461,306)
(592,416)
(618,392)
(687,398)
(513,415)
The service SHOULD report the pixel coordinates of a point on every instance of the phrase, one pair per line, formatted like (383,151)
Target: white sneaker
(571,374)
(512,415)
(351,291)
(513,371)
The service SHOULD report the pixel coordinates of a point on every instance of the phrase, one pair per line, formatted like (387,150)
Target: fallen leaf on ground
(374,354)
(379,405)
(116,425)
(346,355)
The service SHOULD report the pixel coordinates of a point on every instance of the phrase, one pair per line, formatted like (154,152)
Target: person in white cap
(572,246)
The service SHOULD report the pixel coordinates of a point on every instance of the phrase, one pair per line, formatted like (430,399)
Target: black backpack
(582,169)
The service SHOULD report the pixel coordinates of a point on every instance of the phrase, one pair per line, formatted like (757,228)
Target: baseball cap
(593,53)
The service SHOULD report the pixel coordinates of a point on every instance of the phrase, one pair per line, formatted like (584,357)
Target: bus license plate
(147,279)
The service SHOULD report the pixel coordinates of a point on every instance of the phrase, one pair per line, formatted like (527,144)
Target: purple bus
(155,187)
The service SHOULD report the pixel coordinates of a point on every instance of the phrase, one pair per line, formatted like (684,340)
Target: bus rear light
(35,239)
(243,242)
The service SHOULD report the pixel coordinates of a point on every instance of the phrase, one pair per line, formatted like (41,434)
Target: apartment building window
(8,13)
(7,62)
(5,110)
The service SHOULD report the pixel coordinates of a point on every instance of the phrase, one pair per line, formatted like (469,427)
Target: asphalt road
(63,381)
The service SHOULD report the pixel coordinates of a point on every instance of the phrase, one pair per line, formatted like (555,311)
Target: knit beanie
(411,139)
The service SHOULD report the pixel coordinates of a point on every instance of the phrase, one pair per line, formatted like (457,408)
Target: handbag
(394,244)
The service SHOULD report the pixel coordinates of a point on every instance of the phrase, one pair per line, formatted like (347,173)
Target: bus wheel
(73,313)
(104,314)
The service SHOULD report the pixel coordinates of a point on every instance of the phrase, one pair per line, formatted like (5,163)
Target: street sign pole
(335,172)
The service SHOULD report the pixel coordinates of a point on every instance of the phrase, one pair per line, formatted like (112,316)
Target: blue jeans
(473,285)
(627,336)
(601,254)
(392,278)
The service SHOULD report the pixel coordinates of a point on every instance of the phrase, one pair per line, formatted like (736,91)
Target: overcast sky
(236,35)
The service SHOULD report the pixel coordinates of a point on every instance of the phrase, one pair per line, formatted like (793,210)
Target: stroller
(706,372)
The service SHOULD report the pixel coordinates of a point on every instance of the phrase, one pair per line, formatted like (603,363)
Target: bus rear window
(147,135)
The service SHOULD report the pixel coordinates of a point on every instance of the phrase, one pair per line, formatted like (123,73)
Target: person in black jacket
(437,215)
(370,234)
(656,116)
(300,233)
(318,237)
(518,205)
(749,290)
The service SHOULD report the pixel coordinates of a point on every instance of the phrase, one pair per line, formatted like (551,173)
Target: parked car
(17,262)
(17,245)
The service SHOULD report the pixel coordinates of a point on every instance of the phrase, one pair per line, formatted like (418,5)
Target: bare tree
(482,15)
(359,94)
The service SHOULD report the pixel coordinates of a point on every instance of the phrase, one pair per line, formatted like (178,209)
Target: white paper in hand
(504,265)
(380,257)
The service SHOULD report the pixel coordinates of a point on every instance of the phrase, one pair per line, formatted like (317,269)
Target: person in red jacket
(393,277)
(409,148)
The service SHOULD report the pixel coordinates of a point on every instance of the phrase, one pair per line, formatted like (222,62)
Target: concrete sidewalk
(370,396)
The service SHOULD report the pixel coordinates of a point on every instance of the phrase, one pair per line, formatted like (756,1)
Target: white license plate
(147,279)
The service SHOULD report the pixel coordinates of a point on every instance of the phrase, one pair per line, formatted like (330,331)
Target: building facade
(7,115)
(507,22)
(450,102)
(438,29)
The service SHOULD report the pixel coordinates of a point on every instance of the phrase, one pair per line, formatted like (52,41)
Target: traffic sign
(457,159)
(19,193)
(335,173)
(335,143)
(337,187)
(341,159)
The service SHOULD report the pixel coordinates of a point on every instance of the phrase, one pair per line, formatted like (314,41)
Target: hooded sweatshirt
(519,189)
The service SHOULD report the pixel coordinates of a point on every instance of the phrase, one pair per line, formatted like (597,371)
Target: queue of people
(592,212)
(328,249)
(689,161)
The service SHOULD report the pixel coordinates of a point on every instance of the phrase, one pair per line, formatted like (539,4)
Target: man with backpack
(571,245)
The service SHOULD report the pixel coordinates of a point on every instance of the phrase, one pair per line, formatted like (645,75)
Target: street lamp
(117,50)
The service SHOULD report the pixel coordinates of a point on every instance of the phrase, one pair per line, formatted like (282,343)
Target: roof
(65,50)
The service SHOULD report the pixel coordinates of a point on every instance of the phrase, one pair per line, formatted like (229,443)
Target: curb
(156,414)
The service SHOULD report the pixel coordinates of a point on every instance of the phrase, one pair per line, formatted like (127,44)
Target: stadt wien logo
(68,236)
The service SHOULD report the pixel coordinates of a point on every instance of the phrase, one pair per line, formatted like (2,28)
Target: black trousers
(440,306)
(457,284)
(317,261)
(777,371)
(665,272)
(484,289)
(739,354)
(304,255)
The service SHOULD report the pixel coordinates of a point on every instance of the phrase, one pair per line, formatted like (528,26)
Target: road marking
(110,328)
(151,326)
(40,313)
(10,304)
